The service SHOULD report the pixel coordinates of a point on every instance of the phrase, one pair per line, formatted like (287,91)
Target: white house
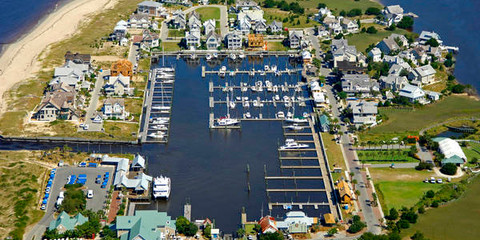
(296,222)
(233,40)
(192,38)
(260,27)
(209,26)
(364,112)
(114,108)
(349,26)
(151,8)
(426,35)
(150,40)
(276,26)
(295,38)
(424,75)
(393,82)
(118,85)
(413,93)
(213,41)
(376,54)
(139,21)
(393,14)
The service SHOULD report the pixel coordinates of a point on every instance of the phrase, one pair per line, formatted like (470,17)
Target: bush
(271,236)
(449,169)
(423,166)
(434,204)
(357,225)
(393,215)
(421,210)
(371,30)
(186,227)
(354,12)
(405,23)
(430,194)
(373,11)
(403,224)
(432,42)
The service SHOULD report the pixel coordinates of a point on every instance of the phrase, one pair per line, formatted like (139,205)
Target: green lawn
(417,119)
(279,15)
(363,40)
(334,155)
(208,13)
(276,46)
(335,5)
(249,229)
(472,151)
(171,46)
(387,156)
(176,33)
(463,214)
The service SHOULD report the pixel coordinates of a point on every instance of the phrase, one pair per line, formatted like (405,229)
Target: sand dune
(19,60)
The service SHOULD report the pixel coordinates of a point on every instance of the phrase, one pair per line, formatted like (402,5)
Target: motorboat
(248,115)
(232,56)
(157,135)
(295,127)
(262,73)
(166,69)
(292,144)
(208,57)
(273,68)
(259,86)
(244,87)
(168,80)
(161,187)
(238,98)
(164,75)
(277,97)
(241,55)
(252,73)
(215,55)
(280,114)
(246,104)
(275,88)
(161,107)
(269,86)
(266,68)
(232,104)
(231,73)
(296,119)
(227,121)
(193,56)
(159,127)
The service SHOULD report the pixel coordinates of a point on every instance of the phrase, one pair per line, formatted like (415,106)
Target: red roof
(268,222)
(137,39)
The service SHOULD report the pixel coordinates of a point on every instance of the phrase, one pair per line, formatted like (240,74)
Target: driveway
(95,204)
(92,108)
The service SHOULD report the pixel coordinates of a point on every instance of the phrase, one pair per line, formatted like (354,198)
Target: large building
(145,224)
(65,223)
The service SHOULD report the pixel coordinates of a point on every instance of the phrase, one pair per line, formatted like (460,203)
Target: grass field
(472,151)
(278,15)
(335,5)
(363,40)
(457,220)
(400,187)
(334,155)
(417,119)
(387,156)
(171,46)
(276,46)
(208,13)
(176,33)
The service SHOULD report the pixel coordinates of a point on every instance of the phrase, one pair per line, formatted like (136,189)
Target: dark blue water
(457,23)
(18,17)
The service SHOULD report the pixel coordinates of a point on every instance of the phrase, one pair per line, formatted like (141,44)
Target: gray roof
(276,24)
(138,161)
(425,70)
(394,9)
(412,92)
(364,107)
(150,4)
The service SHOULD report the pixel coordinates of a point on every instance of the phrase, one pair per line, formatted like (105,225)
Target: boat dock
(298,204)
(251,72)
(158,106)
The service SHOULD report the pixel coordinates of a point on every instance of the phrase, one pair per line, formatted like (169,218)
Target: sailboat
(291,115)
(227,120)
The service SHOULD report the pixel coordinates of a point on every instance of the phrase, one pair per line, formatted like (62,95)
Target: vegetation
(382,156)
(186,227)
(357,225)
(449,169)
(363,40)
(334,154)
(86,230)
(271,236)
(406,23)
(74,201)
(208,13)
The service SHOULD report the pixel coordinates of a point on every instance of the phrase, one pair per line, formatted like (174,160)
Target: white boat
(280,114)
(193,56)
(227,121)
(238,98)
(292,144)
(232,104)
(241,55)
(161,107)
(266,68)
(156,135)
(159,127)
(259,86)
(208,57)
(244,87)
(163,75)
(295,127)
(245,98)
(232,56)
(252,72)
(246,104)
(215,55)
(275,88)
(248,115)
(297,120)
(161,187)
(168,80)
(231,73)
(166,69)
(277,97)
(262,73)
(273,68)
(269,86)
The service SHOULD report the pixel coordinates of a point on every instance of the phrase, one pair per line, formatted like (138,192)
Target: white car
(90,194)
(439,181)
(43,207)
(61,194)
(47,190)
(85,127)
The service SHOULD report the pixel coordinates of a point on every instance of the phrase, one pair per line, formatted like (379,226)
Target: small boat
(245,98)
(161,107)
(273,68)
(168,81)
(232,104)
(159,127)
(156,135)
(296,119)
(227,121)
(238,98)
(223,68)
(277,97)
(241,55)
(295,127)
(269,86)
(231,73)
(292,144)
(167,69)
(266,68)
(244,87)
(248,115)
(275,88)
(246,104)
(252,73)
(208,57)
(163,75)
(215,55)
(232,56)
(161,187)
(262,73)
(193,56)
(259,86)
(280,114)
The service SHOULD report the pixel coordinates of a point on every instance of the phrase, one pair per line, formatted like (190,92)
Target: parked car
(439,181)
(98,180)
(90,194)
(47,190)
(43,207)
(432,180)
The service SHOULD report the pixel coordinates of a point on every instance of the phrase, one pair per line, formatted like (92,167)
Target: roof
(344,189)
(329,218)
(425,70)
(450,148)
(295,34)
(138,161)
(67,222)
(276,24)
(145,224)
(411,91)
(139,183)
(453,159)
(268,223)
(394,9)
(324,120)
(113,101)
(77,57)
(375,51)
(150,4)
(364,107)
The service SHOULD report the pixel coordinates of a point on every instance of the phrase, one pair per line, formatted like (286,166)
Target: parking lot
(61,176)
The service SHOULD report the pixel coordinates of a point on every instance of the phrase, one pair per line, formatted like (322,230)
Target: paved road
(397,165)
(223,17)
(92,109)
(96,203)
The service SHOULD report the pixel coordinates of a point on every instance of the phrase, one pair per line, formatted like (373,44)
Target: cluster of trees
(423,166)
(75,200)
(186,227)
(373,11)
(391,236)
(86,230)
(271,236)
(397,221)
(283,5)
(352,13)
(449,169)
(357,225)
(405,23)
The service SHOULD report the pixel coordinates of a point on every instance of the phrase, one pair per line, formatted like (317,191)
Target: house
(413,93)
(260,27)
(295,38)
(71,74)
(306,57)
(153,9)
(123,67)
(179,20)
(255,41)
(117,85)
(194,20)
(424,75)
(395,42)
(213,41)
(119,31)
(324,123)
(233,40)
(322,31)
(322,12)
(341,51)
(77,58)
(246,5)
(392,14)
(57,105)
(349,26)
(452,151)
(114,108)
(137,185)
(252,16)
(392,59)
(344,192)
(434,96)
(268,224)
(138,163)
(393,82)
(139,21)
(276,27)
(426,35)
(150,40)
(376,54)
(335,28)
(364,112)
(192,38)
(358,83)
(65,223)
(209,26)
(244,26)
(396,69)
(145,224)
(296,222)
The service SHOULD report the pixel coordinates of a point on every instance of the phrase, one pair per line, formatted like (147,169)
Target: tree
(185,227)
(449,169)
(393,214)
(474,160)
(321,5)
(241,232)
(332,231)
(342,95)
(357,225)
(373,11)
(271,236)
(430,194)
(458,88)
(403,224)
(418,236)
(434,204)
(354,12)
(371,30)
(269,3)
(405,23)
(257,228)
(432,42)
(374,199)
(207,231)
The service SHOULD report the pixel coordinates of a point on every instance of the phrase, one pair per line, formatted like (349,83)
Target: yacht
(208,57)
(157,135)
(167,69)
(193,56)
(280,114)
(296,119)
(168,80)
(273,68)
(275,88)
(291,144)
(252,73)
(215,55)
(232,56)
(259,86)
(161,107)
(244,87)
(161,187)
(295,127)
(246,104)
(232,104)
(227,121)
(277,97)
(159,127)
(164,75)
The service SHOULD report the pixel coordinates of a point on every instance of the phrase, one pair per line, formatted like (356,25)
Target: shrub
(373,11)
(371,30)
(403,224)
(405,23)
(449,169)
(430,194)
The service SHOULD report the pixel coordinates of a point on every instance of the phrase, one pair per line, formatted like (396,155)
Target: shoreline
(19,60)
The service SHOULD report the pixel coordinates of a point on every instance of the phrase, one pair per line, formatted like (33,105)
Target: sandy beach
(19,61)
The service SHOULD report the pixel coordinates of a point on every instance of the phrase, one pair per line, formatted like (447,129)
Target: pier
(296,190)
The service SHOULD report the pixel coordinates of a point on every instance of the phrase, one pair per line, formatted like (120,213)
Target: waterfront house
(77,58)
(114,108)
(194,20)
(179,20)
(434,96)
(244,26)
(117,85)
(276,27)
(364,112)
(145,224)
(153,9)
(420,54)
(138,185)
(397,68)
(392,14)
(192,38)
(150,40)
(123,67)
(350,26)
(138,163)
(412,93)
(213,41)
(424,75)
(393,82)
(209,26)
(246,5)
(233,40)
(139,21)
(346,195)
(57,105)
(119,31)
(426,35)
(376,54)
(324,123)
(65,223)
(260,27)
(295,38)
(268,224)
(296,222)
(393,43)
(358,83)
